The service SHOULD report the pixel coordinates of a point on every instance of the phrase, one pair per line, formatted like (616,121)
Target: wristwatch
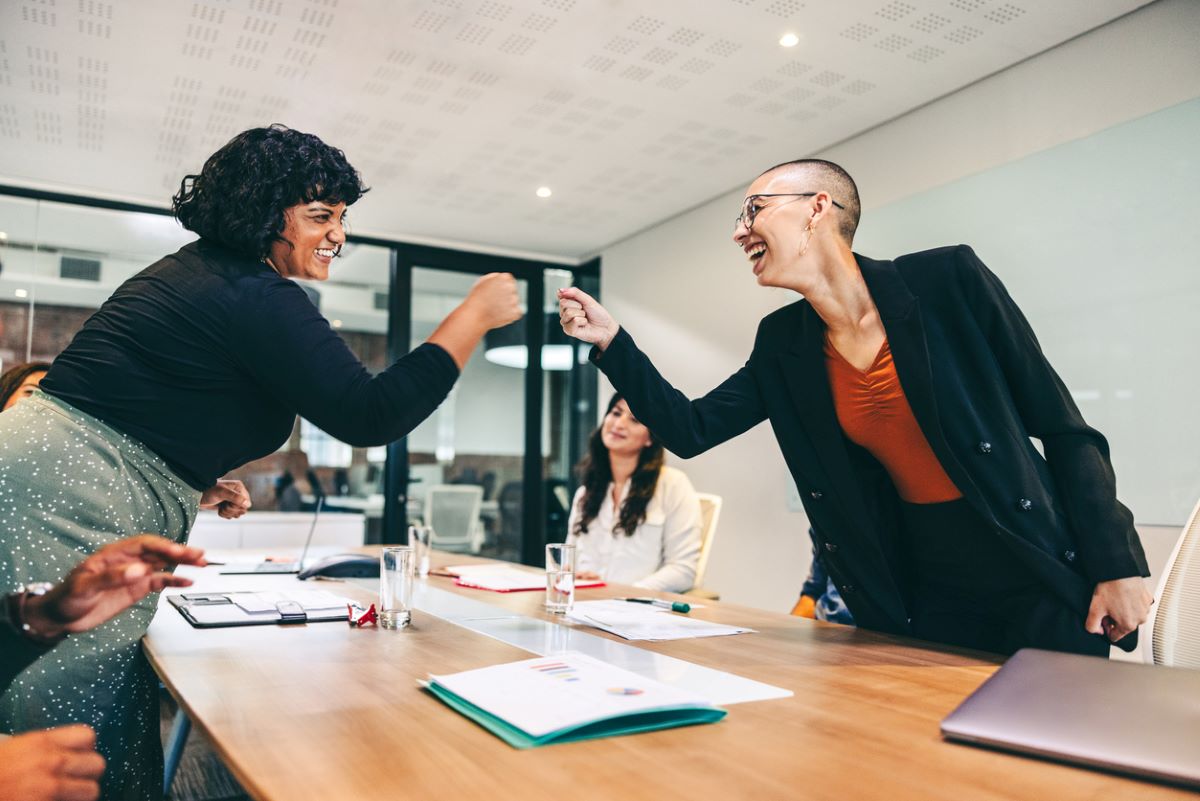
(17,611)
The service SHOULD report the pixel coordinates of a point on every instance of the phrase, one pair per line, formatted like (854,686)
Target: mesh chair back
(1176,624)
(453,512)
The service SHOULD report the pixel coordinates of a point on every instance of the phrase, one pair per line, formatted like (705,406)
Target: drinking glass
(560,578)
(420,537)
(396,577)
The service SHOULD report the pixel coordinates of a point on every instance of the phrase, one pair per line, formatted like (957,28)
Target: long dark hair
(14,376)
(239,197)
(595,473)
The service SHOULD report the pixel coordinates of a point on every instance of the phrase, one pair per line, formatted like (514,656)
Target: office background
(1073,174)
(1070,166)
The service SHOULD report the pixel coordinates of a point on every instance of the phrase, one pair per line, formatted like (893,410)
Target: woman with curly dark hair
(195,366)
(633,520)
(19,381)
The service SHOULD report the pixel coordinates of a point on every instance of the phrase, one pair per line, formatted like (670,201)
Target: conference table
(326,711)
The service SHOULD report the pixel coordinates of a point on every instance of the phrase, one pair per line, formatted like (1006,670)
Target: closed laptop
(1125,717)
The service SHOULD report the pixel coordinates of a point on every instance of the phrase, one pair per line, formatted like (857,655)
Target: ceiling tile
(457,111)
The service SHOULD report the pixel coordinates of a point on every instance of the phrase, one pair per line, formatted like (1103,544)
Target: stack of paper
(309,600)
(565,698)
(505,578)
(644,622)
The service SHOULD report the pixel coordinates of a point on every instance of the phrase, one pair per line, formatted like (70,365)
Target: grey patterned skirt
(70,484)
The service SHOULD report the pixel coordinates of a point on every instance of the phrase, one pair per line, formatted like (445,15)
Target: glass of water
(560,578)
(420,537)
(396,577)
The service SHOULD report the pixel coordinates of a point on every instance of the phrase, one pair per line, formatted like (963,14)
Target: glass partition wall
(504,441)
(512,428)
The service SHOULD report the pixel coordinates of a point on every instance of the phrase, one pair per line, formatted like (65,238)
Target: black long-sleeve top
(207,356)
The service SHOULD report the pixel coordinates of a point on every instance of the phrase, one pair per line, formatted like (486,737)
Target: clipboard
(207,610)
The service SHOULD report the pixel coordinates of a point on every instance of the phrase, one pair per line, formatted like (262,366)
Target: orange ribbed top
(875,414)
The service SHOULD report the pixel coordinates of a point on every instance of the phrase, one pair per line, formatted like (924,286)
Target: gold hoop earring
(807,241)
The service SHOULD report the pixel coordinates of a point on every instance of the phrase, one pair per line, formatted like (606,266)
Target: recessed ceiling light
(336,323)
(544,191)
(21,293)
(789,40)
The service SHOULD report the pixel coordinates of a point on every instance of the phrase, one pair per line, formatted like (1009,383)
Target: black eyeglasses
(750,210)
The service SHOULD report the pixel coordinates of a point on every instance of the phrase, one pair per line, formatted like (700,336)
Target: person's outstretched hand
(228,496)
(52,765)
(107,583)
(585,319)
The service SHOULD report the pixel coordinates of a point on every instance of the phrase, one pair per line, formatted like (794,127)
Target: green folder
(627,723)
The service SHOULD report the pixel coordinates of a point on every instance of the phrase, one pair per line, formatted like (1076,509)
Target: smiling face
(315,235)
(621,432)
(781,231)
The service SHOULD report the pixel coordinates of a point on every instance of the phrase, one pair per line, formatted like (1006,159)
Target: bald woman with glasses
(903,395)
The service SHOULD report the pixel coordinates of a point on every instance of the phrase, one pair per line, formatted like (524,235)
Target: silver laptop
(1123,717)
(273,567)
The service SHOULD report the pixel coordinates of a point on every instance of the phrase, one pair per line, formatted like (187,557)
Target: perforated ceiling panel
(456,111)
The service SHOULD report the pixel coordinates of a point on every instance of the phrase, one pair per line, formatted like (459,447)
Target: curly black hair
(595,473)
(239,198)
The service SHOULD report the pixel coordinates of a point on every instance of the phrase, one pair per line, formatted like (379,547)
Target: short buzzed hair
(831,178)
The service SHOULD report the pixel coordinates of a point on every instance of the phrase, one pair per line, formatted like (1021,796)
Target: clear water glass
(560,578)
(397,569)
(420,538)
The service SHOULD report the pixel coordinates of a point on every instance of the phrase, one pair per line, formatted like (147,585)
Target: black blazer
(979,387)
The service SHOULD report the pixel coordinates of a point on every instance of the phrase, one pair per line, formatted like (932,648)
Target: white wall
(1095,239)
(687,295)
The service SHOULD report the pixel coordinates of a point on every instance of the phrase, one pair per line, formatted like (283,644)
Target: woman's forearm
(459,334)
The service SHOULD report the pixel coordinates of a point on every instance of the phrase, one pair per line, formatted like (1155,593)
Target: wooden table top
(324,711)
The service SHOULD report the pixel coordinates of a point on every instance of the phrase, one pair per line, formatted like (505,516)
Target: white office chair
(710,513)
(452,510)
(1175,617)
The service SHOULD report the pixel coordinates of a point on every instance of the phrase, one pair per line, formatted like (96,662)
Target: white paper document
(310,600)
(505,578)
(549,694)
(643,622)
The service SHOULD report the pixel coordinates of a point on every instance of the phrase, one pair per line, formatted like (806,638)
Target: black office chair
(558,509)
(511,500)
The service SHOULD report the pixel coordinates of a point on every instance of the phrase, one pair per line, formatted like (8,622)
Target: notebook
(565,698)
(1124,717)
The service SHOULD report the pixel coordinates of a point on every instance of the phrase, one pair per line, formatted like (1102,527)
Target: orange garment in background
(875,414)
(805,607)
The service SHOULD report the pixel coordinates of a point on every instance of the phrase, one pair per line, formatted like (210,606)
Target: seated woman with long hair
(634,520)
